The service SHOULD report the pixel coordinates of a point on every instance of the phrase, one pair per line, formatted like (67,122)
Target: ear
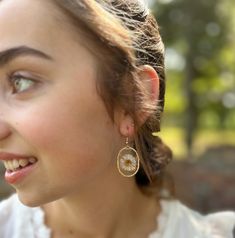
(151,83)
(150,80)
(124,122)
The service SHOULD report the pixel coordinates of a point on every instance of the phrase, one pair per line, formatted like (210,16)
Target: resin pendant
(128,161)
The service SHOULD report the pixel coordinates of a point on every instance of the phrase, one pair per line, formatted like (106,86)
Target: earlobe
(124,122)
(127,126)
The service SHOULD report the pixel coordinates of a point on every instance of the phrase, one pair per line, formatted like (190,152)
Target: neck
(103,209)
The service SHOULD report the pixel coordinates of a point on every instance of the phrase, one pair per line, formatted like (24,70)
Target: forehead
(45,28)
(34,23)
(19,25)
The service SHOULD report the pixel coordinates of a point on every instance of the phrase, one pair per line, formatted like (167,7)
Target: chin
(29,202)
(33,199)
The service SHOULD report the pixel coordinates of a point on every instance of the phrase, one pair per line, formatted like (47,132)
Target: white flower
(128,162)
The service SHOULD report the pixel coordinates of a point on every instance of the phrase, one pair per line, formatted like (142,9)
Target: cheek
(40,127)
(77,137)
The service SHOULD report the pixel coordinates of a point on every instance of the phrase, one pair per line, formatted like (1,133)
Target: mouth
(18,164)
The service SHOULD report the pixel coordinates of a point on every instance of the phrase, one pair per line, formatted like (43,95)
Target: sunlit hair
(124,35)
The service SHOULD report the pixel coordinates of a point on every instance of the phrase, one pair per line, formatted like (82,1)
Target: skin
(61,120)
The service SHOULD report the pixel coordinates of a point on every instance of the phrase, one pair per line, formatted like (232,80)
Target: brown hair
(127,36)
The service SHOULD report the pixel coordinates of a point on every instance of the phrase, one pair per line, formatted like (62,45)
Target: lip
(18,175)
(10,156)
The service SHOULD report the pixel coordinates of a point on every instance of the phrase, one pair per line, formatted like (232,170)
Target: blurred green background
(199,119)
(200,61)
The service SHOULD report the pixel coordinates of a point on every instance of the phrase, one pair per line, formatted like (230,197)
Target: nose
(4,129)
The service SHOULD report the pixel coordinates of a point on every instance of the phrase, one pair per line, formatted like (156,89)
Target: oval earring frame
(128,161)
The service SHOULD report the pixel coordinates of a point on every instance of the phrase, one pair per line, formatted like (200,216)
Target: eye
(20,83)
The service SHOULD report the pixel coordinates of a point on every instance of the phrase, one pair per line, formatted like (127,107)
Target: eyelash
(13,79)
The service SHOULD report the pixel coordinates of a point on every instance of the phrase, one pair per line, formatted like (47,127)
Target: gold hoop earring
(128,161)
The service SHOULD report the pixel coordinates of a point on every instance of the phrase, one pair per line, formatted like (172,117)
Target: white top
(175,220)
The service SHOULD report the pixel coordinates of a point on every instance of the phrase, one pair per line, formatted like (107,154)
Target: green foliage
(202,33)
(174,137)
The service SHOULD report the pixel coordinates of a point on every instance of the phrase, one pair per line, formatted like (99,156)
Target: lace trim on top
(161,222)
(38,220)
(174,219)
(33,225)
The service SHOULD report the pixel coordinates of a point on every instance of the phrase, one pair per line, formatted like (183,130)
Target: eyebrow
(9,55)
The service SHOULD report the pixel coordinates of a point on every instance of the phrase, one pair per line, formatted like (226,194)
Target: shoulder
(177,220)
(13,217)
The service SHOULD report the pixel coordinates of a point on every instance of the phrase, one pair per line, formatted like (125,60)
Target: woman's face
(52,111)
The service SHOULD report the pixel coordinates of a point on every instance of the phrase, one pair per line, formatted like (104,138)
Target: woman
(82,91)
